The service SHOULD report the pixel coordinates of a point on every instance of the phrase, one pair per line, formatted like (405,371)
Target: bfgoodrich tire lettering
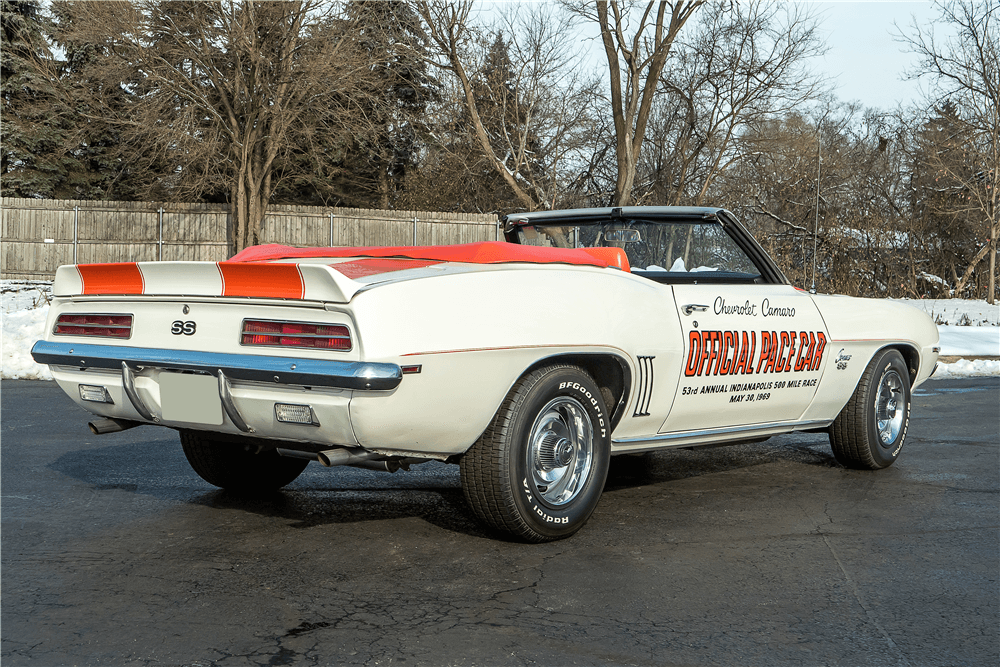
(236,467)
(539,469)
(869,432)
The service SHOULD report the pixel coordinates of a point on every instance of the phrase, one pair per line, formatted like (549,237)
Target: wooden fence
(39,235)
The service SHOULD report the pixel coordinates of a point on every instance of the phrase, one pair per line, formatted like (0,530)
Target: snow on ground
(967,328)
(966,368)
(25,307)
(969,341)
(20,331)
(960,312)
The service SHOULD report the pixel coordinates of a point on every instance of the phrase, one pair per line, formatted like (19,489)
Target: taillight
(295,334)
(107,326)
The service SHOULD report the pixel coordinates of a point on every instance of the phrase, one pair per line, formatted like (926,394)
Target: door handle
(691,307)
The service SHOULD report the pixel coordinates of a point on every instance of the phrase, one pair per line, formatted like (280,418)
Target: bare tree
(520,93)
(966,71)
(744,62)
(221,88)
(635,56)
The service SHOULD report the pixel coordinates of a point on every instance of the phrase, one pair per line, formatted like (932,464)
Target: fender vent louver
(645,387)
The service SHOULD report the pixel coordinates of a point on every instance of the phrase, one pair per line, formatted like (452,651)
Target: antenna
(819,164)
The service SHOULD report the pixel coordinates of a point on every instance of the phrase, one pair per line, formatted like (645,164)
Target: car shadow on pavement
(305,508)
(431,492)
(157,468)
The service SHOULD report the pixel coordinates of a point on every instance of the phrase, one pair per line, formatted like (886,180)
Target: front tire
(869,432)
(237,467)
(538,471)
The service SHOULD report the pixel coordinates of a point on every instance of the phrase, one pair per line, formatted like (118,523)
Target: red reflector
(107,326)
(295,334)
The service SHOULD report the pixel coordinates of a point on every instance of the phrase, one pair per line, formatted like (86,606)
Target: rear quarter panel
(475,334)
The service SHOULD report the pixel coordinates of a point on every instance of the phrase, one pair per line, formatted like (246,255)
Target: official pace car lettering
(736,352)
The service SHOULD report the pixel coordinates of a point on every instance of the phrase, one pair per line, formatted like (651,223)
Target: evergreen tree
(32,159)
(501,107)
(457,175)
(942,169)
(95,143)
(393,100)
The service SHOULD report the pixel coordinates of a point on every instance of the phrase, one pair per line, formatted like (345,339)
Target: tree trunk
(248,206)
(975,262)
(626,173)
(383,185)
(238,215)
(630,109)
(990,298)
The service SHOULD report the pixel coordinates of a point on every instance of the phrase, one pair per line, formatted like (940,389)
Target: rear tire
(538,471)
(237,467)
(869,432)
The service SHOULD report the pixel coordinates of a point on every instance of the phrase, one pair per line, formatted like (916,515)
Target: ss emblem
(186,328)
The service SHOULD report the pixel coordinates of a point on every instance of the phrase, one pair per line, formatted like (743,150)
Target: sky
(865,61)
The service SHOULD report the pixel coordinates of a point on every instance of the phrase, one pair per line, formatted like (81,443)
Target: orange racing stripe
(121,278)
(281,281)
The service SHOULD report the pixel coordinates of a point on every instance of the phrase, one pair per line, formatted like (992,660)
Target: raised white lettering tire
(869,432)
(237,467)
(538,471)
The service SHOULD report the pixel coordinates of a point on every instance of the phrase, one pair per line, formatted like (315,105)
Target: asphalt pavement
(115,553)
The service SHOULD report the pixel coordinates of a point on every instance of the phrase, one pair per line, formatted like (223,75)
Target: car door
(753,354)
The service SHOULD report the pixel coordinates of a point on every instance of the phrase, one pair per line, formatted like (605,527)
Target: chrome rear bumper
(357,375)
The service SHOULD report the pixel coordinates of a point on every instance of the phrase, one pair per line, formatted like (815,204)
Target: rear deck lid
(320,274)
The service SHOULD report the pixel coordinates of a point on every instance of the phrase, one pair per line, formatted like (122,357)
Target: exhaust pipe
(297,454)
(356,458)
(111,425)
(331,457)
(343,457)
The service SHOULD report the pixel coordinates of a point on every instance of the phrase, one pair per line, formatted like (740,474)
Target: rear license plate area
(190,398)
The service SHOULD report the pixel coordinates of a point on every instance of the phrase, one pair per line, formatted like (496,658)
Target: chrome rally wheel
(889,407)
(560,450)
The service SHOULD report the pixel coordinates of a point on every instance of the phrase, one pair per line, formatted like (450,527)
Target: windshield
(676,247)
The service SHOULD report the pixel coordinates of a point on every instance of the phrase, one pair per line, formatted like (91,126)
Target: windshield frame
(768,270)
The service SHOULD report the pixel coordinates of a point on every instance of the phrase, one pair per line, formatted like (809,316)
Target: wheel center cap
(890,407)
(564,452)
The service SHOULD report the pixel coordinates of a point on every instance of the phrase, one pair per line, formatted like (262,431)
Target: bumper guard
(359,376)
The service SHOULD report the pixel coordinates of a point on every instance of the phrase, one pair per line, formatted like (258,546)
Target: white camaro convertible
(590,333)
